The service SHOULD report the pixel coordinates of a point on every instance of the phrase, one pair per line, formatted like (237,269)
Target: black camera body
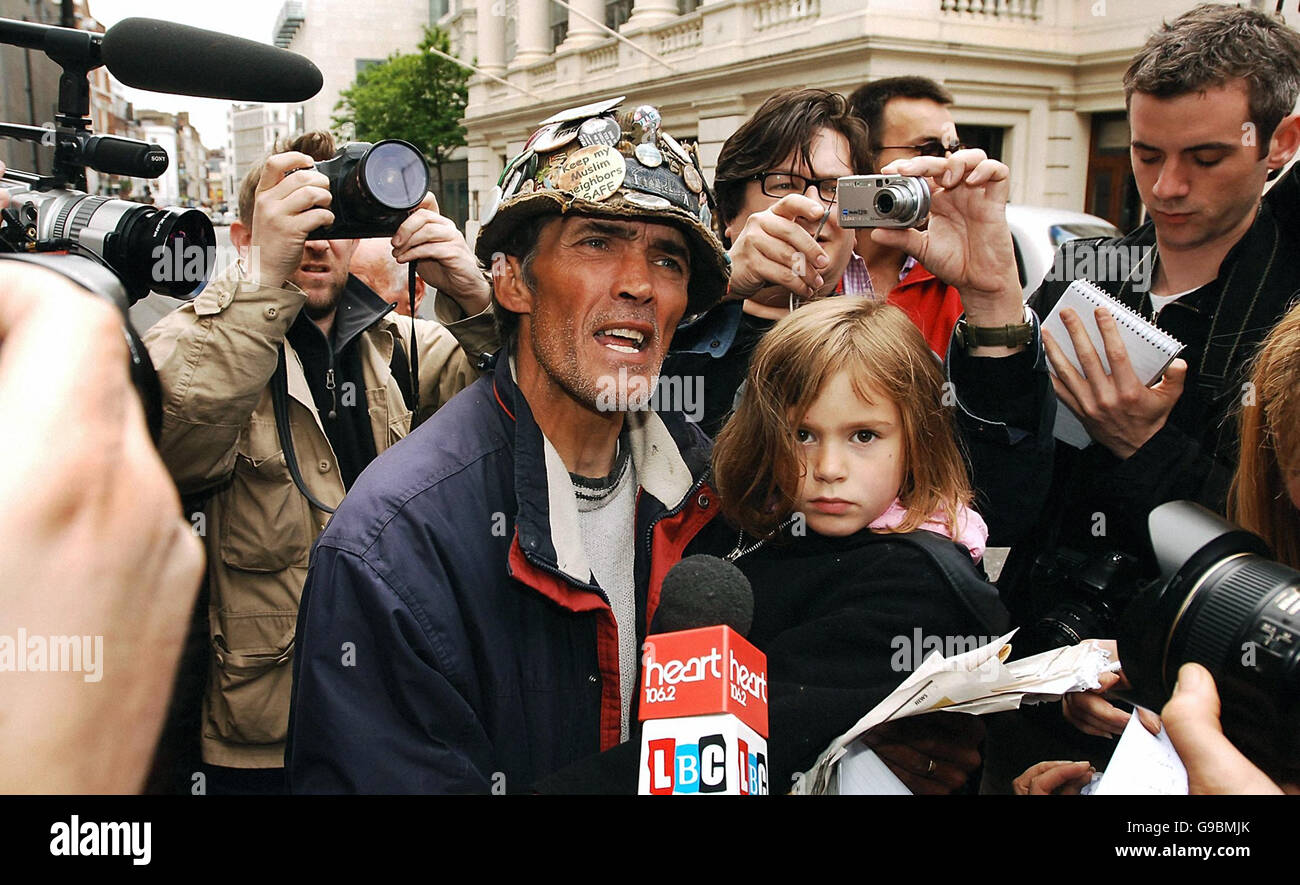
(373,188)
(1088,593)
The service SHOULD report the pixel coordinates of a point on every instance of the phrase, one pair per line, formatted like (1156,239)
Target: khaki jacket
(215,357)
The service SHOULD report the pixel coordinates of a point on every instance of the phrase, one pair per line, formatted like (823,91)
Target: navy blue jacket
(441,646)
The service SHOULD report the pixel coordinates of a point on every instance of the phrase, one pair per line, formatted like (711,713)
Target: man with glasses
(908,117)
(775,185)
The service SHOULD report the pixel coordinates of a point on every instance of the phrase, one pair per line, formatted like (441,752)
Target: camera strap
(413,382)
(283,429)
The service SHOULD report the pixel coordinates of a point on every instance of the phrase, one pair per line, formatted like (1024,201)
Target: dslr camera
(883,201)
(1221,602)
(373,187)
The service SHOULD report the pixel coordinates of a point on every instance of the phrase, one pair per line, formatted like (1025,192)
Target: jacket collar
(358,309)
(669,458)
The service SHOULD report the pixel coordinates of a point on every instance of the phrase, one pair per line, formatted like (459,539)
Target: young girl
(847,506)
(1266,489)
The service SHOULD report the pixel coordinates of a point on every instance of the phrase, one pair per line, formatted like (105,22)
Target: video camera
(118,249)
(141,244)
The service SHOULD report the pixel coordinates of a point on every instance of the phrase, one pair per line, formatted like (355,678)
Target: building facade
(1037,82)
(343,38)
(251,131)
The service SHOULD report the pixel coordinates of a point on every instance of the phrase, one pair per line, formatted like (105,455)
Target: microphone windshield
(704,591)
(166,57)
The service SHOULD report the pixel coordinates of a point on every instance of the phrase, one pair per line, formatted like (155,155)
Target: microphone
(703,698)
(165,57)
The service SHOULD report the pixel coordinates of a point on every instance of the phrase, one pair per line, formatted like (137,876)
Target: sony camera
(1221,602)
(883,201)
(373,187)
(168,251)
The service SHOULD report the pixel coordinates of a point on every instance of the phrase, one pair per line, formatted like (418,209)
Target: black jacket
(843,621)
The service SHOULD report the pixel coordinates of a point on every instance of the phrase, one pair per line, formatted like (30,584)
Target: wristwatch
(1011,335)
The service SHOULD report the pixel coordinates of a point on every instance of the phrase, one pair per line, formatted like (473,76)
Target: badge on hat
(591,173)
(599,130)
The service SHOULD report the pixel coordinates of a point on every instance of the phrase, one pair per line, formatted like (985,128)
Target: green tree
(418,97)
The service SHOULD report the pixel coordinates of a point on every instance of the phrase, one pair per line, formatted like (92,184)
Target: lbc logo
(703,767)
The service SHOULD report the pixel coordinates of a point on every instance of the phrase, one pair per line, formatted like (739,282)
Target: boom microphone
(166,57)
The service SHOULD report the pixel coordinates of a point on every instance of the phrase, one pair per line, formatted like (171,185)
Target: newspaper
(977,681)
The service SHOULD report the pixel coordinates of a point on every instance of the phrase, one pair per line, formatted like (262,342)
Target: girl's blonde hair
(1270,438)
(757,461)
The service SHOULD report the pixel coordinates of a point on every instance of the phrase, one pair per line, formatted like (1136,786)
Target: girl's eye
(864,436)
(802,435)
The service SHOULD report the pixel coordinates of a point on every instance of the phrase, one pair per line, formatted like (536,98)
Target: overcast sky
(253,19)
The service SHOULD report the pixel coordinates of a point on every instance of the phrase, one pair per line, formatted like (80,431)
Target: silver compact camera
(883,201)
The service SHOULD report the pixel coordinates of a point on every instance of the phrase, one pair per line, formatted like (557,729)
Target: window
(437,9)
(363,63)
(617,12)
(685,6)
(559,24)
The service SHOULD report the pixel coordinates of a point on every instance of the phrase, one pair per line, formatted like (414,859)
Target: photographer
(289,360)
(95,548)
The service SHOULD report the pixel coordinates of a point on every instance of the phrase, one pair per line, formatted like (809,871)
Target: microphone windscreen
(166,57)
(704,591)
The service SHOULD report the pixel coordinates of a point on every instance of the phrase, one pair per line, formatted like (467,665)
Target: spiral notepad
(1150,348)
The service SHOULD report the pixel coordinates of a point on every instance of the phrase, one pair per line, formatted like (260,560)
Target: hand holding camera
(292,200)
(443,258)
(967,243)
(775,251)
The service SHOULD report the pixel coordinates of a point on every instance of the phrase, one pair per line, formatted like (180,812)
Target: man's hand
(773,251)
(1091,713)
(1214,765)
(292,201)
(1117,410)
(967,243)
(92,544)
(932,754)
(4,194)
(1054,778)
(443,258)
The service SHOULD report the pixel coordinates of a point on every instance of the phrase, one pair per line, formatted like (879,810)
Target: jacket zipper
(329,385)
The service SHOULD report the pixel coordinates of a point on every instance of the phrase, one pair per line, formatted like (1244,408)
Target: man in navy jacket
(474,611)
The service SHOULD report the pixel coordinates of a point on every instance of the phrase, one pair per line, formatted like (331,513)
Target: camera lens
(168,251)
(394,175)
(885,203)
(1233,611)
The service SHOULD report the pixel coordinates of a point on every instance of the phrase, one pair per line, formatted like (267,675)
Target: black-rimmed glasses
(782,184)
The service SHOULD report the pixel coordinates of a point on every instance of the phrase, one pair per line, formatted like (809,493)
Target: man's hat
(592,160)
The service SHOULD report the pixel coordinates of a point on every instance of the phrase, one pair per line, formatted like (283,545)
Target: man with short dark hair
(1210,99)
(281,381)
(908,117)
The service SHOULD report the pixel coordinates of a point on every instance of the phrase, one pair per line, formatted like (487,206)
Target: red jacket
(931,304)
